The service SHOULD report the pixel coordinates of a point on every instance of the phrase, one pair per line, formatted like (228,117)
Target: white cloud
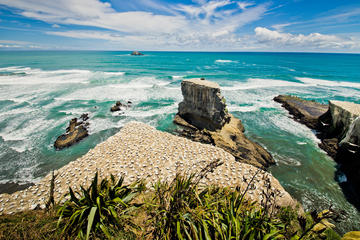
(310,41)
(96,14)
(279,27)
(203,22)
(244,5)
(89,35)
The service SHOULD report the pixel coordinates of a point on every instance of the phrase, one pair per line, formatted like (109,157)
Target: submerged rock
(204,118)
(338,127)
(76,131)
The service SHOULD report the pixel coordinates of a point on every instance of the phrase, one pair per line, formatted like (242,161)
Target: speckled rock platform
(140,151)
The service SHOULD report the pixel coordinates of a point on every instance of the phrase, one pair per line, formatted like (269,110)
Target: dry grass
(29,225)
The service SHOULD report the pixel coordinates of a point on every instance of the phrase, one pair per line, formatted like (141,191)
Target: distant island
(137,53)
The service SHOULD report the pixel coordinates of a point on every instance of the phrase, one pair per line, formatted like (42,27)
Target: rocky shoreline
(337,125)
(139,151)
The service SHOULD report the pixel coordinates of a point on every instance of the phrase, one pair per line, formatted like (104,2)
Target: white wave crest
(32,76)
(253,83)
(114,73)
(225,61)
(177,77)
(234,108)
(322,82)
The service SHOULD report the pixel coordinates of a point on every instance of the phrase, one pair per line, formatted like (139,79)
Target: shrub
(101,209)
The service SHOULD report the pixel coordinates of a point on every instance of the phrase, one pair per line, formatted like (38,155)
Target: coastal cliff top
(204,83)
(140,151)
(351,107)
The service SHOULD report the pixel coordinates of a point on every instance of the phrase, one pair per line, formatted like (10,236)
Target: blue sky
(181,25)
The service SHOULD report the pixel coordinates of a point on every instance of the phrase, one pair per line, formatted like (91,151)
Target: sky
(181,25)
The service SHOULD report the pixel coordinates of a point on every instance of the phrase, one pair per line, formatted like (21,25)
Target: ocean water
(41,91)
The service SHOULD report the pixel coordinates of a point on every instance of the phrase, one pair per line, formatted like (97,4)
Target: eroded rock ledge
(203,117)
(338,127)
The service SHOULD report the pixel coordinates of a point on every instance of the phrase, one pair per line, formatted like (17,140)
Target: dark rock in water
(84,117)
(137,53)
(338,127)
(12,187)
(76,131)
(118,105)
(203,117)
(306,112)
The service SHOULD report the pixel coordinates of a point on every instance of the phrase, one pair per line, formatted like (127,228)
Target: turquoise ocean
(41,91)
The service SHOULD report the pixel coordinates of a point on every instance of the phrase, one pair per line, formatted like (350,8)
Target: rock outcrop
(203,117)
(76,131)
(118,106)
(306,112)
(338,128)
(137,53)
(203,106)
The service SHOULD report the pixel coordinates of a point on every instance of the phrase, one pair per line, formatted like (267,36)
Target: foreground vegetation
(181,209)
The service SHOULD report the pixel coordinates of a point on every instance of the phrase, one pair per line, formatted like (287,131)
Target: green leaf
(105,230)
(90,221)
(271,234)
(72,197)
(179,231)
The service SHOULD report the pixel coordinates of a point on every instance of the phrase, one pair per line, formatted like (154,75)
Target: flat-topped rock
(203,106)
(202,83)
(351,107)
(306,112)
(140,151)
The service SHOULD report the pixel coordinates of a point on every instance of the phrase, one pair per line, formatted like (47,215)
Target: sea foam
(225,61)
(327,83)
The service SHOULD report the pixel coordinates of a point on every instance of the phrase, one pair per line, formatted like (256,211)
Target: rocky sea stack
(338,127)
(203,117)
(76,131)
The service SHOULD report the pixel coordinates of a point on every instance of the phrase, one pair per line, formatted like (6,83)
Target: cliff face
(203,106)
(339,130)
(343,115)
(204,118)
